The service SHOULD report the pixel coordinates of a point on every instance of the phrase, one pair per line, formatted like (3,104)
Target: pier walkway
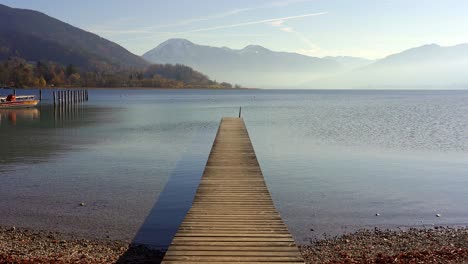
(233,218)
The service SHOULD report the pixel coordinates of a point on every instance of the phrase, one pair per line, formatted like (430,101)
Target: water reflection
(12,116)
(31,135)
(69,112)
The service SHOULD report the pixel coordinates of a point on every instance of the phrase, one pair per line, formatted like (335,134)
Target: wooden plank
(235,248)
(239,258)
(232,253)
(223,262)
(232,218)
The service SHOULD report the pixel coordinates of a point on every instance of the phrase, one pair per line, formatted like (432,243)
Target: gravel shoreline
(435,245)
(25,246)
(415,245)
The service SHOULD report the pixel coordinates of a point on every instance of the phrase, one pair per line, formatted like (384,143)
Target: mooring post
(87,98)
(240,111)
(53,95)
(14,91)
(40,94)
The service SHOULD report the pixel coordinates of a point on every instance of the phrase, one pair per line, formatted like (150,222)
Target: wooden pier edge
(232,218)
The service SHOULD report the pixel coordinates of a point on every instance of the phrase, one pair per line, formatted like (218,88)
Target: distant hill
(35,36)
(428,66)
(252,66)
(37,50)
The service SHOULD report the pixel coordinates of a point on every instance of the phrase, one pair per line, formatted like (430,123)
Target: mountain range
(428,66)
(38,50)
(253,66)
(35,36)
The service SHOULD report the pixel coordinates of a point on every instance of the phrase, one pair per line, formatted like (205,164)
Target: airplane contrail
(255,22)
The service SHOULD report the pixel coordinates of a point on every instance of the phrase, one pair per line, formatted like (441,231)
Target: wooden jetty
(68,97)
(232,218)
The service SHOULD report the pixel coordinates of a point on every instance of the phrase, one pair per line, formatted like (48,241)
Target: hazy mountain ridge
(35,36)
(349,62)
(253,66)
(428,66)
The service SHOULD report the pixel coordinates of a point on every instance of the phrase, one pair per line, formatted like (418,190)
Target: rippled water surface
(332,159)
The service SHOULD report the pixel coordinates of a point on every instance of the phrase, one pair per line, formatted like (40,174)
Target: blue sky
(363,28)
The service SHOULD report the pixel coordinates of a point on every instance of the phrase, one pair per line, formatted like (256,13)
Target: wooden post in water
(87,98)
(53,95)
(14,91)
(240,111)
(40,94)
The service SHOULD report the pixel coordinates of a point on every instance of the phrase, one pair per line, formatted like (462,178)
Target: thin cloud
(288,2)
(146,30)
(205,18)
(287,29)
(109,30)
(311,47)
(231,13)
(264,21)
(277,23)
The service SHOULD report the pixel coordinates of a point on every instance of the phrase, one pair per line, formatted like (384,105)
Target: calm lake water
(332,159)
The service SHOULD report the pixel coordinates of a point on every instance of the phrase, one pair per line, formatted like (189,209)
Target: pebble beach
(429,245)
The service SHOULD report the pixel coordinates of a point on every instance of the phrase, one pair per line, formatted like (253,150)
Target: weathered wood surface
(233,218)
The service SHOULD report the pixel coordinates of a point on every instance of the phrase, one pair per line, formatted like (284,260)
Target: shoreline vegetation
(18,73)
(415,245)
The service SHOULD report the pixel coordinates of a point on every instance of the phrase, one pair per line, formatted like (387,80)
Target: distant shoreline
(124,88)
(248,89)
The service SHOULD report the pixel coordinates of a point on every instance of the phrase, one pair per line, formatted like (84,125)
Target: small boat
(22,101)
